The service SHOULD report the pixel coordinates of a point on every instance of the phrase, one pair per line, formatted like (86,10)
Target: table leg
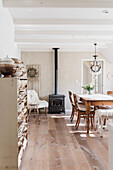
(88,104)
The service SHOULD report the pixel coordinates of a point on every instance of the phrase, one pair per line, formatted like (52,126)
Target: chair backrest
(32,97)
(75,100)
(110,93)
(70,97)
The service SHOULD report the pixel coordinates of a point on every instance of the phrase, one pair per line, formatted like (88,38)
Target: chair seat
(34,101)
(42,104)
(104,112)
(82,107)
(80,102)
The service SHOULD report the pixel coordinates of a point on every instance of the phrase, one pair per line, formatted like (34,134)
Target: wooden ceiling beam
(59,3)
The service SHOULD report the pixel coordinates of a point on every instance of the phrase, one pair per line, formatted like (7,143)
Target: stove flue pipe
(56,69)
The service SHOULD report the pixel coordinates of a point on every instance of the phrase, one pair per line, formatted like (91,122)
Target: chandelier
(95,66)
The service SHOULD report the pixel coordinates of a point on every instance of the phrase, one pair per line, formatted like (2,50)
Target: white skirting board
(68,111)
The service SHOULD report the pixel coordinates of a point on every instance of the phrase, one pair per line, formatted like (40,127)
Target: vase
(89,92)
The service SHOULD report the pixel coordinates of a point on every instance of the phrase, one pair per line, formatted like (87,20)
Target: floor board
(54,144)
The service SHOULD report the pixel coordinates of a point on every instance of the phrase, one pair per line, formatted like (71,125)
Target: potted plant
(89,87)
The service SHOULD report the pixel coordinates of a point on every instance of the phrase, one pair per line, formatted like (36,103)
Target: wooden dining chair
(104,113)
(108,107)
(73,106)
(81,111)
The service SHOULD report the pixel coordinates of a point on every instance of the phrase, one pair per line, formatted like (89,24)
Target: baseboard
(68,111)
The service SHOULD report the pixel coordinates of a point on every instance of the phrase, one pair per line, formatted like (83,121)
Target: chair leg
(29,113)
(101,130)
(91,122)
(99,122)
(76,126)
(94,122)
(46,110)
(104,122)
(34,112)
(72,114)
(38,114)
(78,121)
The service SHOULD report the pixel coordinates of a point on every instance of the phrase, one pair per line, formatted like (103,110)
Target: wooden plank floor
(55,145)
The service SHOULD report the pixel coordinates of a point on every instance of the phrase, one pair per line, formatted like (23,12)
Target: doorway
(88,76)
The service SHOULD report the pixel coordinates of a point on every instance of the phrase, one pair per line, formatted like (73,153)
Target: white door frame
(82,61)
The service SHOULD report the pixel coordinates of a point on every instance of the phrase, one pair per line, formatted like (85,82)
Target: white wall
(69,72)
(7,45)
(109,82)
(45,60)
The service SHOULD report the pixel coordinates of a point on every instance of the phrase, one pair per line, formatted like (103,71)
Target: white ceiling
(70,29)
(61,13)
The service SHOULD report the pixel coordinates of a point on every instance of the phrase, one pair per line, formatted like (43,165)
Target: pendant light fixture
(95,66)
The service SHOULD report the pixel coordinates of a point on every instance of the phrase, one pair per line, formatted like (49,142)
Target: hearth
(56,101)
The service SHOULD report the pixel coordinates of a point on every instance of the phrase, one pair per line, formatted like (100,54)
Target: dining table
(94,100)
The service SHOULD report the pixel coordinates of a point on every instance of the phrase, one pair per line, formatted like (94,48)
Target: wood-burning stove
(56,101)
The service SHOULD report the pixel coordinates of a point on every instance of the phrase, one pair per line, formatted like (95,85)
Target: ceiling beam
(67,47)
(63,21)
(65,27)
(59,3)
(19,33)
(65,41)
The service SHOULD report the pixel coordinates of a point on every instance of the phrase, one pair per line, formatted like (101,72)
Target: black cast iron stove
(56,101)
